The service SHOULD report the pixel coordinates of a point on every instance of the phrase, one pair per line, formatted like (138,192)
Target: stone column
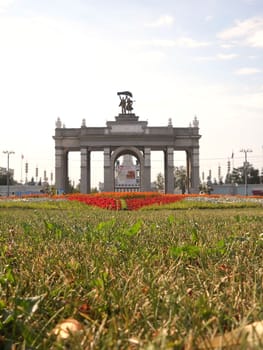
(195,181)
(84,170)
(169,170)
(146,171)
(108,172)
(61,169)
(188,170)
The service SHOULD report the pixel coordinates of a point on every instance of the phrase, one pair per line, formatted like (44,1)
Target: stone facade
(127,135)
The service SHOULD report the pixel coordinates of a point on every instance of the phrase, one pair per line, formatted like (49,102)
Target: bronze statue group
(125,102)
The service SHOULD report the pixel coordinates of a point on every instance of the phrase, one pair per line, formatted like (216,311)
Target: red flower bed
(98,201)
(136,203)
(125,200)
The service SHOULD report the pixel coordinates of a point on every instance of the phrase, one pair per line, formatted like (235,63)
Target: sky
(179,58)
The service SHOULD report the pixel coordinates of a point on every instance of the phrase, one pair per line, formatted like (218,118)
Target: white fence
(234,189)
(19,190)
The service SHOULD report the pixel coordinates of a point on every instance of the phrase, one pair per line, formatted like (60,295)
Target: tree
(32,182)
(228,179)
(253,176)
(159,183)
(71,188)
(215,181)
(180,177)
(238,175)
(3,180)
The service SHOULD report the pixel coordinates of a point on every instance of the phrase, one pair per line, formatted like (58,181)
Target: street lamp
(7,172)
(245,166)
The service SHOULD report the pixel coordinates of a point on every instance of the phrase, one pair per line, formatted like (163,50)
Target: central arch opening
(127,173)
(127,166)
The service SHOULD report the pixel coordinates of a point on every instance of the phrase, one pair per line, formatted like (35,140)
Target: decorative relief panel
(127,128)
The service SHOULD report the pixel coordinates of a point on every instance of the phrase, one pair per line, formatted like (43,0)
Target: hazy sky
(180,58)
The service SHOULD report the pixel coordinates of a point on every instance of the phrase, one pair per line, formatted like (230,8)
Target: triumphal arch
(127,135)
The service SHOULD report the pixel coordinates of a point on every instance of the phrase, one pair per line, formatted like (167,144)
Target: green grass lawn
(135,280)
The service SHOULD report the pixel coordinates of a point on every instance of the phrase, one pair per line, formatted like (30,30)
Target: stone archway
(127,134)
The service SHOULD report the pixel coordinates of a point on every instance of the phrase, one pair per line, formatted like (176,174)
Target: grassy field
(147,279)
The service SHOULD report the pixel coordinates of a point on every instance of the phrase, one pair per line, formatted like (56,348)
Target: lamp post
(245,166)
(7,172)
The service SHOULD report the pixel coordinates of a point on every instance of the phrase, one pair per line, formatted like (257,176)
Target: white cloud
(162,21)
(256,39)
(205,58)
(184,42)
(190,43)
(242,28)
(4,4)
(222,57)
(149,58)
(247,71)
(227,46)
(33,32)
(226,57)
(160,43)
(248,32)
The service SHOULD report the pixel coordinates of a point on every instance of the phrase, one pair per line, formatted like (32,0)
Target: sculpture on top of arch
(126,102)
